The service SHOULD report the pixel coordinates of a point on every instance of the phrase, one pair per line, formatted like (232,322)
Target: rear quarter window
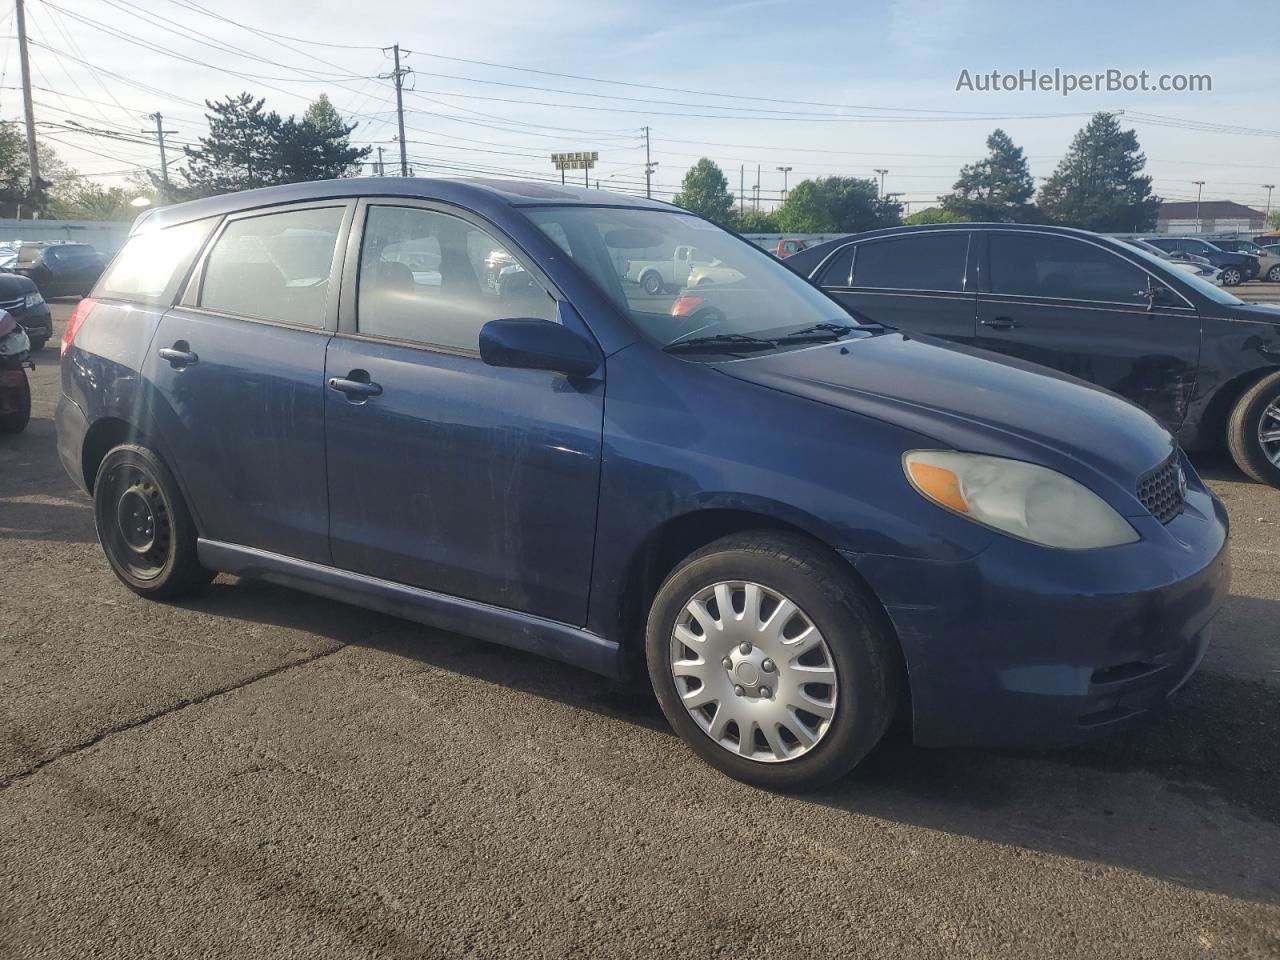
(152,265)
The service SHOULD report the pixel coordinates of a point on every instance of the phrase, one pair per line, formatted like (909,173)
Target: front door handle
(179,355)
(357,390)
(1001,323)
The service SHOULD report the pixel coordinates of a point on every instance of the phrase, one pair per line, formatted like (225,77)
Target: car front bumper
(37,321)
(1024,646)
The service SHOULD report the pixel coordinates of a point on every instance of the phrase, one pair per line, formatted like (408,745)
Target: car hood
(971,400)
(12,286)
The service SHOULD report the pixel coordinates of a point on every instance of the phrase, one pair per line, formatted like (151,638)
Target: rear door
(918,282)
(238,371)
(1078,307)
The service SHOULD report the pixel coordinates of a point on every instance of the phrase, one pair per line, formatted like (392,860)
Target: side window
(435,279)
(274,267)
(1047,266)
(836,272)
(928,261)
(150,266)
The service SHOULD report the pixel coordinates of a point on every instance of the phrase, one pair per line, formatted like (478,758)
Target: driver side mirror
(531,344)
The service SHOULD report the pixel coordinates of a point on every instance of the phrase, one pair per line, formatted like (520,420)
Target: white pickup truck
(684,269)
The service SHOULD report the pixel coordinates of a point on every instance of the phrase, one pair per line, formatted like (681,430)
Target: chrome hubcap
(753,671)
(1269,432)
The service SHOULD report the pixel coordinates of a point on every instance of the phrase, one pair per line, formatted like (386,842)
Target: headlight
(33,299)
(1021,499)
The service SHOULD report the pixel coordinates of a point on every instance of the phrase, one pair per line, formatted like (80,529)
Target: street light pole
(1266,216)
(785,171)
(882,172)
(1199,187)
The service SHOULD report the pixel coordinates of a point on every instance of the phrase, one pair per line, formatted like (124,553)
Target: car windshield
(679,277)
(1203,287)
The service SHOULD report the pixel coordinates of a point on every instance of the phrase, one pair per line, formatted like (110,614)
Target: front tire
(1253,432)
(37,343)
(1231,276)
(144,526)
(771,662)
(1273,275)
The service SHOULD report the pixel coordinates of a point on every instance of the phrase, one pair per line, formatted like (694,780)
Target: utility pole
(757,186)
(742,186)
(33,156)
(164,163)
(648,166)
(382,169)
(1199,186)
(785,171)
(398,76)
(1266,216)
(882,172)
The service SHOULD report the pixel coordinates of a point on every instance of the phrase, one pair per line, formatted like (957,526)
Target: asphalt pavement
(259,773)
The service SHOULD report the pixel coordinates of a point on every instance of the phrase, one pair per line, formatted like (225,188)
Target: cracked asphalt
(259,773)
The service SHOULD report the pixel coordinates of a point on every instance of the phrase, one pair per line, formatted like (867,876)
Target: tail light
(83,309)
(685,305)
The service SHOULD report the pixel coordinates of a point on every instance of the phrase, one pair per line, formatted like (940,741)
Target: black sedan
(1198,359)
(20,298)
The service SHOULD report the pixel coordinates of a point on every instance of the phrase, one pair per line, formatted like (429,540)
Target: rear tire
(16,421)
(144,526)
(1253,431)
(1273,275)
(803,732)
(652,283)
(1231,276)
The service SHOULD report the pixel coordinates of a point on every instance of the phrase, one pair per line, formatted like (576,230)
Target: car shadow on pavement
(38,501)
(1189,796)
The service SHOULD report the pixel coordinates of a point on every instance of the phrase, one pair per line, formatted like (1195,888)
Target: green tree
(248,146)
(92,201)
(1273,220)
(755,221)
(836,205)
(58,179)
(705,191)
(1099,184)
(318,147)
(933,215)
(996,189)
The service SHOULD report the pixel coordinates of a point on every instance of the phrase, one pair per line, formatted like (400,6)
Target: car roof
(477,194)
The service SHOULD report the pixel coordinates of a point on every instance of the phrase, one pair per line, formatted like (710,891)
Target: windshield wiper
(817,333)
(730,342)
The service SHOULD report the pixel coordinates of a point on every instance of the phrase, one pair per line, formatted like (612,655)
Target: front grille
(1163,489)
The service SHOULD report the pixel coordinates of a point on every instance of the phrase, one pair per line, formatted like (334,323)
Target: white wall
(104,235)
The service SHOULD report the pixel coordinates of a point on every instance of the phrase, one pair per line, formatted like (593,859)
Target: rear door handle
(179,355)
(357,390)
(1001,323)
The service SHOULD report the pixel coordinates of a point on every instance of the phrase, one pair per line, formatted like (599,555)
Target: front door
(1080,308)
(239,370)
(446,473)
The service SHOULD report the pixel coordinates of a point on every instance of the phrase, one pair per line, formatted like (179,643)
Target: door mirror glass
(1158,295)
(530,343)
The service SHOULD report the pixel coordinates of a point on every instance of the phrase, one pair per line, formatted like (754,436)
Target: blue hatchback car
(444,400)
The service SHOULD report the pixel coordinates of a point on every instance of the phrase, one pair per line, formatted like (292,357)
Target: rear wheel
(15,421)
(1231,276)
(1273,275)
(144,526)
(652,283)
(770,662)
(1253,432)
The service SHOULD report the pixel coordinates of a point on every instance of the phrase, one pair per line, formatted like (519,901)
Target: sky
(827,88)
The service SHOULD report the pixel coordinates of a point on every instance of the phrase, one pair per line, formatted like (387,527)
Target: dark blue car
(443,399)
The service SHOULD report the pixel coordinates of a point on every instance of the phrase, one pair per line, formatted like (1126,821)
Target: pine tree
(318,147)
(1098,185)
(996,189)
(705,191)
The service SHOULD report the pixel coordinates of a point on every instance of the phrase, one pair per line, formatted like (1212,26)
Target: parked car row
(57,269)
(799,521)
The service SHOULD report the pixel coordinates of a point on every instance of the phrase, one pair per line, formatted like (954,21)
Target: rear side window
(1039,265)
(933,261)
(274,267)
(150,266)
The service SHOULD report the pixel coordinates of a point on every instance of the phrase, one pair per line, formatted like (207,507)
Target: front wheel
(1253,432)
(144,526)
(770,662)
(1231,276)
(1273,275)
(37,343)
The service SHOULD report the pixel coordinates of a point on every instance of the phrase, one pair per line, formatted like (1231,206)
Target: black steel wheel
(144,526)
